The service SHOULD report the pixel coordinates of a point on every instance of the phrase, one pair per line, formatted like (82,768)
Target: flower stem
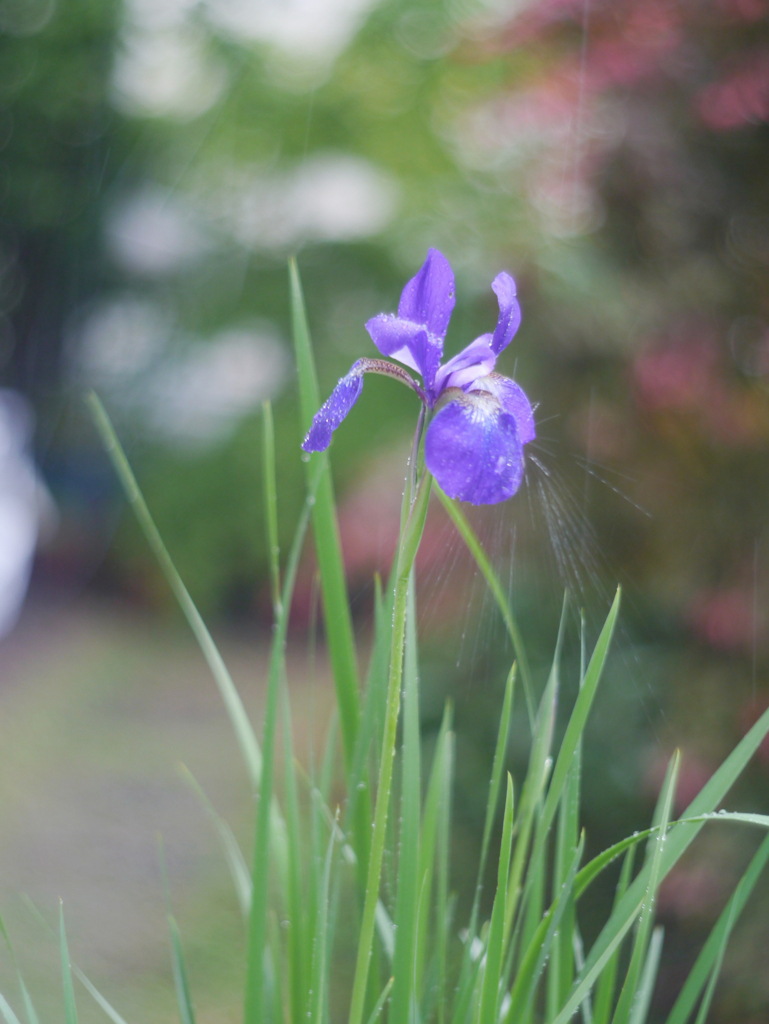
(411,534)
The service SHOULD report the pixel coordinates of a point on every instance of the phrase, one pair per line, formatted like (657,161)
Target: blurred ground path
(98,706)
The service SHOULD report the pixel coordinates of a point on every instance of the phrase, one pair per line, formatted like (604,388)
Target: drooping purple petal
(428,298)
(509,311)
(334,409)
(514,401)
(345,395)
(473,450)
(476,360)
(398,339)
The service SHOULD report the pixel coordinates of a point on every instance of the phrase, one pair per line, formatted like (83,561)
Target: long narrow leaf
(232,702)
(677,842)
(379,1004)
(233,855)
(577,721)
(408,891)
(607,983)
(718,937)
(70,1009)
(629,992)
(536,954)
(29,1009)
(178,966)
(489,1004)
(98,998)
(326,532)
(254,997)
(428,842)
(643,994)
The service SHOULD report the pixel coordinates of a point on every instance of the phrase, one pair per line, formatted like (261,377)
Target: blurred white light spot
(117,341)
(153,233)
(19,506)
(165,73)
(305,28)
(198,397)
(328,198)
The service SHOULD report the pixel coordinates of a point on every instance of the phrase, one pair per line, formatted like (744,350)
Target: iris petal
(346,394)
(474,361)
(509,311)
(513,400)
(400,339)
(473,449)
(428,298)
(334,409)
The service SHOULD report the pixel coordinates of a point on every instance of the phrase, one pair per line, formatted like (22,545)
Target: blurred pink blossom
(726,618)
(692,891)
(739,98)
(677,375)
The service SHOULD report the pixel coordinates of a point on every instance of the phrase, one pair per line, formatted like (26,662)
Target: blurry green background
(159,160)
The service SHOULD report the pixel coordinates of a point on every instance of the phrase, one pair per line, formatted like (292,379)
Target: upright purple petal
(474,361)
(428,298)
(514,401)
(509,311)
(334,409)
(473,450)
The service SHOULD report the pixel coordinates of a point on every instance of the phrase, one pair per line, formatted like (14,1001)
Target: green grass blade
(599,863)
(536,954)
(270,489)
(233,855)
(444,910)
(489,1005)
(608,980)
(577,723)
(319,975)
(232,702)
(298,947)
(535,781)
(408,884)
(677,842)
(339,630)
(97,997)
(643,995)
(719,936)
(178,966)
(707,998)
(500,753)
(435,806)
(629,990)
(369,736)
(87,984)
(411,535)
(475,548)
(70,1009)
(379,1004)
(257,931)
(561,966)
(8,1015)
(29,1009)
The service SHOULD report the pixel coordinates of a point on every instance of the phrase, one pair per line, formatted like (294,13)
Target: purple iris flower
(474,441)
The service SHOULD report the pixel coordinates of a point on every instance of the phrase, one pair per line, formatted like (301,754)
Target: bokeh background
(159,160)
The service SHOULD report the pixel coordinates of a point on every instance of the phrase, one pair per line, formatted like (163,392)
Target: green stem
(410,538)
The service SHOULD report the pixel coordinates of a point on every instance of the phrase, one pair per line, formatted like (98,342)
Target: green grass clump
(324,932)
